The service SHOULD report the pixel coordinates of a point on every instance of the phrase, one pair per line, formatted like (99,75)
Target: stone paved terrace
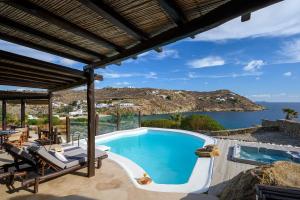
(111,181)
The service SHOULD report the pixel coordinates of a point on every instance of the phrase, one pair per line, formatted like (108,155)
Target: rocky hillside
(156,101)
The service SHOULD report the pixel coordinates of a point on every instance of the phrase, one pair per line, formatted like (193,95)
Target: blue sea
(231,120)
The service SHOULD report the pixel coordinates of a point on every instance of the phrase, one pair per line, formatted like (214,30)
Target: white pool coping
(198,182)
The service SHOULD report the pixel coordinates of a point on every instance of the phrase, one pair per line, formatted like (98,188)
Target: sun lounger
(20,155)
(49,164)
(71,156)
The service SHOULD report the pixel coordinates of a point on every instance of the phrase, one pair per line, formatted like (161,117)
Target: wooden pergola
(98,33)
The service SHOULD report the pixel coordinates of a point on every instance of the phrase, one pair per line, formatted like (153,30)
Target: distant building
(76,113)
(126,105)
(103,105)
(219,99)
(32,117)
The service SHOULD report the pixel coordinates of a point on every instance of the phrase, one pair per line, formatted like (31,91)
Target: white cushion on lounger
(60,156)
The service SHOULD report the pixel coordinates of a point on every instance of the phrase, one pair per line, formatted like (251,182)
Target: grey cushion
(48,155)
(76,160)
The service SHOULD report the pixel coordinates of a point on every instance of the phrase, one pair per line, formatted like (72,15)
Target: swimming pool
(260,156)
(167,156)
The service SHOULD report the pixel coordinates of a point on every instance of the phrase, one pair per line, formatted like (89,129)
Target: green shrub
(161,123)
(55,121)
(81,119)
(32,122)
(200,122)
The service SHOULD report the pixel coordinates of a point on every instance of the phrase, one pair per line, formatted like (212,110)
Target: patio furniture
(4,136)
(76,158)
(19,155)
(71,157)
(47,164)
(266,192)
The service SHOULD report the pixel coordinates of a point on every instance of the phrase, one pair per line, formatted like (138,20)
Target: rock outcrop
(242,187)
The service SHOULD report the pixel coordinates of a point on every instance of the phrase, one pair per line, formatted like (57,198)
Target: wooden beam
(12,95)
(68,86)
(173,11)
(43,36)
(23,84)
(4,119)
(7,77)
(41,65)
(12,72)
(34,71)
(50,113)
(218,16)
(41,48)
(115,18)
(246,17)
(91,121)
(22,113)
(58,21)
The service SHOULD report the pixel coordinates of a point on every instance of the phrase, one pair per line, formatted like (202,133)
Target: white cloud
(209,61)
(287,74)
(152,75)
(168,53)
(67,62)
(259,96)
(290,51)
(193,75)
(153,55)
(112,75)
(281,19)
(254,65)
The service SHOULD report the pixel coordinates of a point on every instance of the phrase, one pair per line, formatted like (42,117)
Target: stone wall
(291,128)
(228,132)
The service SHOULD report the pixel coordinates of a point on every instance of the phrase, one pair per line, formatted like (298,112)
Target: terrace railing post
(27,132)
(91,121)
(4,115)
(140,119)
(22,113)
(97,124)
(118,120)
(39,132)
(50,113)
(68,129)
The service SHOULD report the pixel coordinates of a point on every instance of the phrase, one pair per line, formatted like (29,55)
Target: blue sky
(259,59)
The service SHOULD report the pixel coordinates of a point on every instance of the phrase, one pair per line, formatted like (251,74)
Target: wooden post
(118,120)
(39,132)
(50,114)
(140,119)
(97,124)
(22,113)
(28,133)
(68,129)
(91,121)
(4,115)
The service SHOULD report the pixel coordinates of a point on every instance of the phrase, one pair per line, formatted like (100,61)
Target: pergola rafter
(115,18)
(41,13)
(38,34)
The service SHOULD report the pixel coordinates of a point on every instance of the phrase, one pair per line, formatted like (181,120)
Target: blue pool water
(168,157)
(264,155)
